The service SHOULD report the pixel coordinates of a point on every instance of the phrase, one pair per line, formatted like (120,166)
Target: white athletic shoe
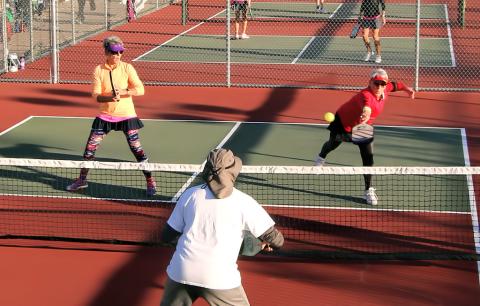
(367,57)
(371,196)
(378,59)
(77,185)
(244,36)
(319,162)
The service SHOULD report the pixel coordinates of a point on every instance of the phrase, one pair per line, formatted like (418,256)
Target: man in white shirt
(209,221)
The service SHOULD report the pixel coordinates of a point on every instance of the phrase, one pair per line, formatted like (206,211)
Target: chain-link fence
(429,44)
(30,31)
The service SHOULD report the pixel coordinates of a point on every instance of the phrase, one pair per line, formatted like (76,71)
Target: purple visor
(115,47)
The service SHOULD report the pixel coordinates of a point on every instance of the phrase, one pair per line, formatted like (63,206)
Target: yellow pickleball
(329,117)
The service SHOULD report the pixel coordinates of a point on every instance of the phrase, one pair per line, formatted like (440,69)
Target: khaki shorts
(181,294)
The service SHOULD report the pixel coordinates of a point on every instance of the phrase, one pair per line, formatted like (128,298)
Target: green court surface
(257,144)
(299,10)
(321,50)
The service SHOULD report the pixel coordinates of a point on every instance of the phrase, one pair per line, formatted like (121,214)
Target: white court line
(194,176)
(303,50)
(473,204)
(446,212)
(16,125)
(175,37)
(450,41)
(335,11)
(173,201)
(261,122)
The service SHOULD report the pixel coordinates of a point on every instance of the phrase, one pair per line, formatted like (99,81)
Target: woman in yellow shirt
(114,84)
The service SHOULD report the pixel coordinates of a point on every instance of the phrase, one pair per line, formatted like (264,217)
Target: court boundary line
(16,125)
(473,204)
(449,35)
(303,50)
(171,201)
(256,122)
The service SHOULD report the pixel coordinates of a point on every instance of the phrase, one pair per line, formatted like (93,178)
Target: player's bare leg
(366,41)
(378,46)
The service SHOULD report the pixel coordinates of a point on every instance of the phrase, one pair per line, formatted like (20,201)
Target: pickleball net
(422,212)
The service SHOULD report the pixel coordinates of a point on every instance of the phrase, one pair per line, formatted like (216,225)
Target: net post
(184,12)
(461,12)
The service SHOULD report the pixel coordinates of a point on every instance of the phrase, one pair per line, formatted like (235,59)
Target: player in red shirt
(364,107)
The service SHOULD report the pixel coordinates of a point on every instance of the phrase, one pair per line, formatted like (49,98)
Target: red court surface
(67,274)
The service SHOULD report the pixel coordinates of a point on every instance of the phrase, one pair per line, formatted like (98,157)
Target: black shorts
(372,23)
(336,129)
(124,125)
(240,6)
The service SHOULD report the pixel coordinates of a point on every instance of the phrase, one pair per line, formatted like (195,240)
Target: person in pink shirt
(114,84)
(364,107)
(240,7)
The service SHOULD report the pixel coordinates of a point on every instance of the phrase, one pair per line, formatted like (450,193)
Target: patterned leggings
(96,137)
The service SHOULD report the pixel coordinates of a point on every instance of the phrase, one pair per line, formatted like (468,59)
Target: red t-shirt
(350,111)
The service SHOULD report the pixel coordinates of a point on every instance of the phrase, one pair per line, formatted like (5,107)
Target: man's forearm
(273,237)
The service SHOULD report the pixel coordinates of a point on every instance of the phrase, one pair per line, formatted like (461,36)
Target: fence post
(107,21)
(227,24)
(30,20)
(53,31)
(184,12)
(4,35)
(462,4)
(417,47)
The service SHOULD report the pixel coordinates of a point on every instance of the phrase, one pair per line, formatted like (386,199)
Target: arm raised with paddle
(353,123)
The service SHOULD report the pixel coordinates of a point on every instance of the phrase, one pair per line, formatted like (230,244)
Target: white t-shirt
(212,233)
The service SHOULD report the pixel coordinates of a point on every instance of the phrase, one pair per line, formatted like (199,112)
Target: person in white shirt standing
(209,221)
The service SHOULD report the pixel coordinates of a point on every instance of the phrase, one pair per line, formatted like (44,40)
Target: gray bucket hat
(221,171)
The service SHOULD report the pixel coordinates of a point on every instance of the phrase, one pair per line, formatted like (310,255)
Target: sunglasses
(115,52)
(379,83)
